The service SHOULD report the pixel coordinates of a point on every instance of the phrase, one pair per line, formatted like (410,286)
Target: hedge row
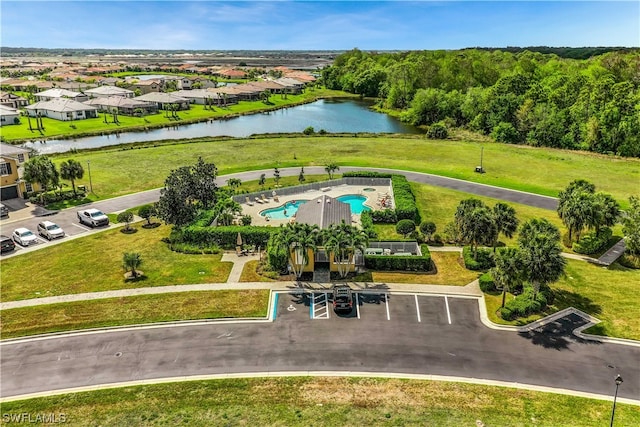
(404,199)
(366,220)
(592,242)
(400,263)
(224,237)
(366,174)
(484,261)
(386,216)
(486,283)
(524,304)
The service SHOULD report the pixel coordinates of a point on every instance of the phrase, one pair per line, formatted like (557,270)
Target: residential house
(9,116)
(108,91)
(11,100)
(51,94)
(203,83)
(243,92)
(292,85)
(271,86)
(123,105)
(62,109)
(146,86)
(12,185)
(231,74)
(164,100)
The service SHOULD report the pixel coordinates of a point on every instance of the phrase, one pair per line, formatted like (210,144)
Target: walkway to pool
(374,195)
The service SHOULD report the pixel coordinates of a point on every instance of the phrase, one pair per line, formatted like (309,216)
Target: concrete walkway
(612,254)
(238,264)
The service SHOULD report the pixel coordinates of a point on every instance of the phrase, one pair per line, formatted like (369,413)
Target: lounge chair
(259,201)
(265,199)
(276,199)
(248,201)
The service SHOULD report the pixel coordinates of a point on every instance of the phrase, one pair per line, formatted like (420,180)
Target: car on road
(93,217)
(4,211)
(24,236)
(6,244)
(50,230)
(342,298)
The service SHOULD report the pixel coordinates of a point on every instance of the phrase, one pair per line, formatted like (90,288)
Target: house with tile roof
(12,159)
(58,93)
(9,116)
(164,101)
(62,109)
(108,91)
(123,105)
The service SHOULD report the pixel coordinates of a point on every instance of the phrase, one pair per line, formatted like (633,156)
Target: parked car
(342,298)
(4,211)
(50,230)
(6,244)
(24,236)
(93,217)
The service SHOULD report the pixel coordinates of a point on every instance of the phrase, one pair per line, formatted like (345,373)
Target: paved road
(68,221)
(410,334)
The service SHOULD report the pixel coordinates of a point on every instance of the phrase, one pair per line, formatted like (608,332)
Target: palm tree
(343,241)
(542,260)
(506,222)
(71,170)
(131,261)
(297,239)
(508,271)
(40,169)
(234,183)
(576,211)
(331,168)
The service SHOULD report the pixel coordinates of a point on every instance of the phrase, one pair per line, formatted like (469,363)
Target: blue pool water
(356,202)
(286,211)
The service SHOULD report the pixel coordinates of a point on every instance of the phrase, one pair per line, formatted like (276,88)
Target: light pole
(90,183)
(613,411)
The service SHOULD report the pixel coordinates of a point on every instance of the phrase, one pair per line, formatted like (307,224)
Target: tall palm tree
(506,221)
(508,271)
(539,242)
(71,170)
(297,239)
(343,241)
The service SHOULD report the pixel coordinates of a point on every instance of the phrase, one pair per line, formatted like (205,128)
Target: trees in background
(631,226)
(516,97)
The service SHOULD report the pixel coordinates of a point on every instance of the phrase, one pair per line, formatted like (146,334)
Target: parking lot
(375,307)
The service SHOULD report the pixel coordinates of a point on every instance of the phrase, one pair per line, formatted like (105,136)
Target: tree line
(527,97)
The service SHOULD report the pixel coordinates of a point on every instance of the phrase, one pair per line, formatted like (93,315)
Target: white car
(93,217)
(50,230)
(24,236)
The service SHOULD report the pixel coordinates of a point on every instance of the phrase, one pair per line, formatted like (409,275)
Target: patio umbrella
(273,193)
(239,240)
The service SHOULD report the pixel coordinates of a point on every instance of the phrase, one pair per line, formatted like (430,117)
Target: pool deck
(337,191)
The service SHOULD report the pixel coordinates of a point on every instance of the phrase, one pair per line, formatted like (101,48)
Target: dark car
(6,244)
(342,298)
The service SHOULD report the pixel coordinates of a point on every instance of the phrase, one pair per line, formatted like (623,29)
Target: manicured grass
(610,295)
(306,401)
(116,171)
(249,273)
(94,263)
(57,128)
(133,310)
(450,271)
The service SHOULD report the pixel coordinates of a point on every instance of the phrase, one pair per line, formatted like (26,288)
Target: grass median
(133,310)
(305,401)
(117,171)
(94,263)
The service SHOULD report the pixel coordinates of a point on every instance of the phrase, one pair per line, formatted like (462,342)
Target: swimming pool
(289,209)
(286,211)
(356,202)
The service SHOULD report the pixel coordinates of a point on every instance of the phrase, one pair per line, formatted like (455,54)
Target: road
(393,333)
(68,221)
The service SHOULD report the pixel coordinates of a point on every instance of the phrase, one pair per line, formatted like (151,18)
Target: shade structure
(239,240)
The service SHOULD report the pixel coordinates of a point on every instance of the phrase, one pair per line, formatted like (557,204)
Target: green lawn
(450,271)
(56,128)
(117,171)
(94,263)
(311,401)
(610,295)
(133,310)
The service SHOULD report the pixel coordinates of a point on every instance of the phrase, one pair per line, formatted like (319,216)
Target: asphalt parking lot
(373,307)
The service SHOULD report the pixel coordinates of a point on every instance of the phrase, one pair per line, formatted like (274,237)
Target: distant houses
(62,109)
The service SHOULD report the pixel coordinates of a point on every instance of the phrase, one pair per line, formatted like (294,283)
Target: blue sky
(335,25)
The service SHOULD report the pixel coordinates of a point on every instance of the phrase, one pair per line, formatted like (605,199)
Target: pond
(332,115)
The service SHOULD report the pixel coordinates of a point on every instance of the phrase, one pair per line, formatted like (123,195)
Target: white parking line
(417,308)
(79,226)
(446,302)
(41,239)
(357,305)
(386,303)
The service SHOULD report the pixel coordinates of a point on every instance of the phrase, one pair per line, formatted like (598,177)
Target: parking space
(380,307)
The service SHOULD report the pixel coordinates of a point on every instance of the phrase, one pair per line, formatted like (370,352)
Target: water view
(332,115)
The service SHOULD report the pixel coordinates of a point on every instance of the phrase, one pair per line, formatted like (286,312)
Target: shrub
(367,174)
(437,239)
(386,216)
(126,217)
(630,261)
(405,201)
(146,212)
(405,227)
(366,221)
(427,228)
(437,131)
(400,263)
(276,256)
(486,283)
(224,237)
(484,261)
(592,242)
(524,304)
(246,220)
(505,132)
(309,130)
